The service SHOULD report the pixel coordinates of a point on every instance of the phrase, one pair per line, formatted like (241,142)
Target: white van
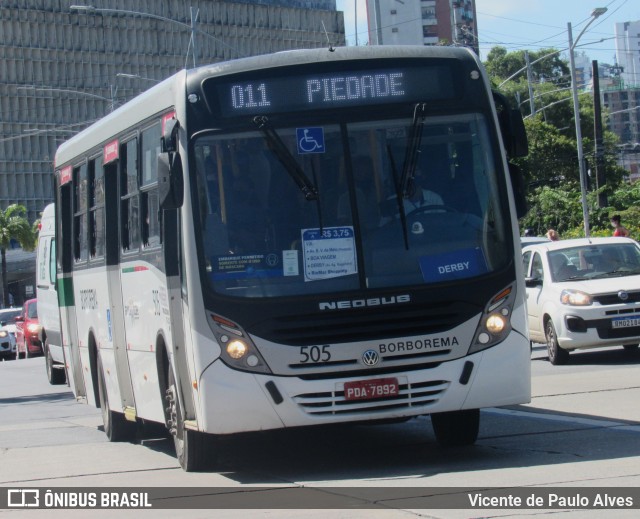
(48,311)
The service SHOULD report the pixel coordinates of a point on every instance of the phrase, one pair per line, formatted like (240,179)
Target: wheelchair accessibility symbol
(310,140)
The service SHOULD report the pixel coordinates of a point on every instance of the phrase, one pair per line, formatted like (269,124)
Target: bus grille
(416,395)
(363,325)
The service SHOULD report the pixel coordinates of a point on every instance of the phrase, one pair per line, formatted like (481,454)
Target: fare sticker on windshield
(328,253)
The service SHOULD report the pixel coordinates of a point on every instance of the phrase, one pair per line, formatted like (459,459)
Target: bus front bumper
(231,401)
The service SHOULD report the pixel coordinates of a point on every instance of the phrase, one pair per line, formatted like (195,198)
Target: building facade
(62,69)
(425,22)
(628,52)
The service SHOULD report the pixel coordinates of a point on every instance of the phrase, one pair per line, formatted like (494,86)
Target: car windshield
(595,261)
(32,310)
(292,211)
(9,316)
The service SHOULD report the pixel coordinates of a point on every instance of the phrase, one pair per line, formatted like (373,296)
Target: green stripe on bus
(65,292)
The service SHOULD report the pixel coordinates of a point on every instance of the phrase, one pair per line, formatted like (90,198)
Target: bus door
(114,155)
(66,302)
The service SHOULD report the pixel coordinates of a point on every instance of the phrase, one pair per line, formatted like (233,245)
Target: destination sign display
(266,94)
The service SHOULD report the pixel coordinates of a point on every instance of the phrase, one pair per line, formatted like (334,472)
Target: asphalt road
(581,431)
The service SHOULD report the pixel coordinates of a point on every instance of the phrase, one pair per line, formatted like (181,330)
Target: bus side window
(150,207)
(96,208)
(80,213)
(129,213)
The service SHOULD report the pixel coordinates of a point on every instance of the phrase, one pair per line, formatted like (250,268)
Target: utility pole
(529,81)
(601,179)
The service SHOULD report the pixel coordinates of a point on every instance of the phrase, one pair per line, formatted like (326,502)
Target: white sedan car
(583,293)
(8,348)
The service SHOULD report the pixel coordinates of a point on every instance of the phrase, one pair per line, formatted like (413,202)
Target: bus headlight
(495,323)
(237,348)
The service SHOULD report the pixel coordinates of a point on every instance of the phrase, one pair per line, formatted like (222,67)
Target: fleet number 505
(314,354)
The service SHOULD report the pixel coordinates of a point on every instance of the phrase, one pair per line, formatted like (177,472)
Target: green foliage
(14,226)
(501,65)
(560,208)
(551,169)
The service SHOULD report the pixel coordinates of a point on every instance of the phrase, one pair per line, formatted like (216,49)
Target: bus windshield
(350,206)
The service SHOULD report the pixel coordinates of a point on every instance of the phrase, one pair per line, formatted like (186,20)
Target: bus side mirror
(170,135)
(170,180)
(514,134)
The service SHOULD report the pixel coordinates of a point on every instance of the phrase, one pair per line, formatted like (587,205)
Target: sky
(536,24)
(530,24)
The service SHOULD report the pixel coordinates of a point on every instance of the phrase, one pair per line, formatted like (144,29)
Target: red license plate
(367,389)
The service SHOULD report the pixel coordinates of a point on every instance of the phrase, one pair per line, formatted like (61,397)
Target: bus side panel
(146,316)
(146,385)
(91,294)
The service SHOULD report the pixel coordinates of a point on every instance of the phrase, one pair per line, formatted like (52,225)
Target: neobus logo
(360,303)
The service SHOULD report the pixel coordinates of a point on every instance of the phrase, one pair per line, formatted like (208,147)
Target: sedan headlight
(575,298)
(3,334)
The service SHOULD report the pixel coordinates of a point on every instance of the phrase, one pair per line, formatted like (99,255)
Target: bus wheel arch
(116,426)
(192,447)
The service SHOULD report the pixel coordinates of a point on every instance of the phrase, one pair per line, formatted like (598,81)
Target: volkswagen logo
(623,295)
(370,357)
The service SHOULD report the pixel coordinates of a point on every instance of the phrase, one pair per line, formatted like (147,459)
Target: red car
(28,330)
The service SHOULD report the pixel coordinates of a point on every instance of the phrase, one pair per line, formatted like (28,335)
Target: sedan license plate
(367,389)
(626,322)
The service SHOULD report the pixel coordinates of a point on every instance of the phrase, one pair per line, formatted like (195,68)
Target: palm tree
(13,226)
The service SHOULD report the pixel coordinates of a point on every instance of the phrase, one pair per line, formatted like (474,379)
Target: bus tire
(116,426)
(456,428)
(54,375)
(191,446)
(557,355)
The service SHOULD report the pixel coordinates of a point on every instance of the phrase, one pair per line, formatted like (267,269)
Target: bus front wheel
(191,446)
(456,428)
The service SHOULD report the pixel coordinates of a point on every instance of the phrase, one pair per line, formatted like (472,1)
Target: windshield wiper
(399,199)
(413,150)
(283,154)
(612,274)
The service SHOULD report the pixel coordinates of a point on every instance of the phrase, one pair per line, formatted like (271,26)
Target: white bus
(310,237)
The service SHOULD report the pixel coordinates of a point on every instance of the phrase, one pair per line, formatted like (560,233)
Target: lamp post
(192,26)
(598,11)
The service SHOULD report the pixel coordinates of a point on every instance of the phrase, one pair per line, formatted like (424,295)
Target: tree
(501,65)
(13,226)
(551,168)
(552,158)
